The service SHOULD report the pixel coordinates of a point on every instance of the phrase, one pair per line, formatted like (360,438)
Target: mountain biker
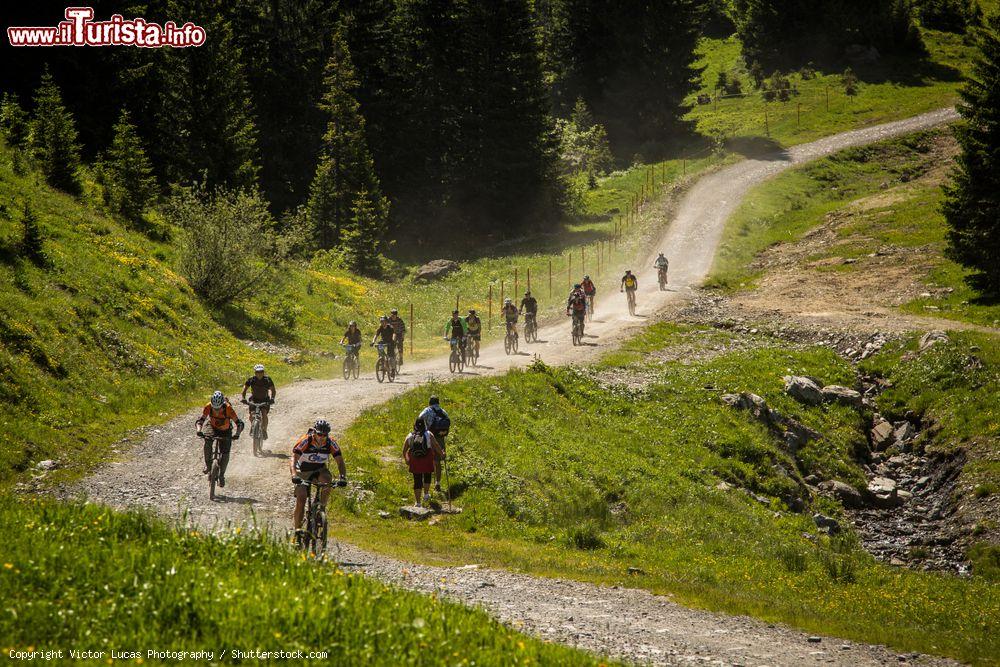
(589,290)
(529,306)
(309,462)
(385,335)
(399,326)
(421,451)
(456,328)
(629,282)
(220,416)
(439,423)
(576,306)
(474,326)
(353,334)
(509,311)
(661,265)
(262,390)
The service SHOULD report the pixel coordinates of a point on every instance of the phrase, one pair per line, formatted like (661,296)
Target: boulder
(836,394)
(798,434)
(845,493)
(883,493)
(803,390)
(435,269)
(414,513)
(829,524)
(881,434)
(903,432)
(882,485)
(47,464)
(932,338)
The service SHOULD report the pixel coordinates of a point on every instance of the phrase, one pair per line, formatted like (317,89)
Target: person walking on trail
(439,423)
(399,326)
(221,416)
(421,451)
(262,392)
(310,457)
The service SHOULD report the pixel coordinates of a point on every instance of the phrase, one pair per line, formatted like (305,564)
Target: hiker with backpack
(421,452)
(438,423)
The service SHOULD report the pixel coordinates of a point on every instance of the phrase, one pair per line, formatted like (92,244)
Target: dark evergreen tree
(205,122)
(972,207)
(32,244)
(631,61)
(54,138)
(13,122)
(345,166)
(129,184)
(361,239)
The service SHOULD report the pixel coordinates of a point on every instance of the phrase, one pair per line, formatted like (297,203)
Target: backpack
(419,445)
(441,423)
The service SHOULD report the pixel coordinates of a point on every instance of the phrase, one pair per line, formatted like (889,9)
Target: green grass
(890,89)
(566,472)
(81,577)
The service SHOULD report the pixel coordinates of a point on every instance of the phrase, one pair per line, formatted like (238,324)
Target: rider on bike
(309,462)
(386,335)
(399,326)
(576,305)
(629,282)
(220,416)
(474,326)
(353,334)
(661,265)
(589,290)
(456,329)
(529,306)
(262,390)
(510,312)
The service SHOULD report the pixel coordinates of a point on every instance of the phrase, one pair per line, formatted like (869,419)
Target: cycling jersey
(398,325)
(577,302)
(353,337)
(589,288)
(221,419)
(455,328)
(661,262)
(385,334)
(529,304)
(629,282)
(473,324)
(510,313)
(313,456)
(259,388)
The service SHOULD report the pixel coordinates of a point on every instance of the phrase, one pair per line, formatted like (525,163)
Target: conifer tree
(32,245)
(13,121)
(361,239)
(54,137)
(130,186)
(972,207)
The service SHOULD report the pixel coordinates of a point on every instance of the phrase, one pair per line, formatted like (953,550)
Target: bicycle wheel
(356,368)
(506,344)
(380,370)
(347,368)
(391,374)
(258,439)
(453,362)
(513,344)
(319,534)
(213,476)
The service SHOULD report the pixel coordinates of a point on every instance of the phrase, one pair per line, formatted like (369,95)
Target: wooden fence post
(569,271)
(412,332)
(529,278)
(489,308)
(516,284)
(550,277)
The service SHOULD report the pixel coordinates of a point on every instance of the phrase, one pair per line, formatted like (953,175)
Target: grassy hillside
(150,587)
(884,198)
(637,463)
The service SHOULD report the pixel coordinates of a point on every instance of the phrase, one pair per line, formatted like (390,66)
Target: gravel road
(163,471)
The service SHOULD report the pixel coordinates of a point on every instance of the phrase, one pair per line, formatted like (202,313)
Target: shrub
(31,238)
(950,15)
(129,184)
(53,138)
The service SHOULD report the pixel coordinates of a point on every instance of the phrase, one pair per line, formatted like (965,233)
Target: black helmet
(472,311)
(433,400)
(576,286)
(322,427)
(454,313)
(528,293)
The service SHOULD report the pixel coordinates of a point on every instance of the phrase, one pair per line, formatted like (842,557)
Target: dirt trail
(163,471)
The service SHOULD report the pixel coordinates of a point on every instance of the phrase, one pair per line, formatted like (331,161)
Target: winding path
(624,623)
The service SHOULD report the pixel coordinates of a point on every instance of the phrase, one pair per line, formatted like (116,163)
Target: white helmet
(507,301)
(218,399)
(259,368)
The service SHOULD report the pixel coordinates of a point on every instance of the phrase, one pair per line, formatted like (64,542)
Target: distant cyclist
(590,291)
(221,416)
(385,335)
(629,282)
(310,457)
(529,306)
(262,392)
(456,328)
(353,334)
(474,326)
(576,305)
(662,264)
(510,313)
(399,326)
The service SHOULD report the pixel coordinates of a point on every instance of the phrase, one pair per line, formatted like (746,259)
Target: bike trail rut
(163,471)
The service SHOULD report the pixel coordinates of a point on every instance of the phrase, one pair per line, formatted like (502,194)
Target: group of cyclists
(424,446)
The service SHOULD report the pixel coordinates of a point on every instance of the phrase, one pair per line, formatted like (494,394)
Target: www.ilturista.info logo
(79,29)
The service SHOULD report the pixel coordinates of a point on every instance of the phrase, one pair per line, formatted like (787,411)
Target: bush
(13,122)
(950,15)
(230,246)
(31,238)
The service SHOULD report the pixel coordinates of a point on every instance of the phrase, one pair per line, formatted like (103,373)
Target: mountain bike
(215,471)
(577,330)
(352,362)
(630,295)
(530,328)
(590,307)
(256,426)
(661,276)
(399,354)
(471,353)
(312,539)
(510,340)
(385,367)
(456,360)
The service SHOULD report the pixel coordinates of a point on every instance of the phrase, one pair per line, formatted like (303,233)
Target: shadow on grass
(247,326)
(757,148)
